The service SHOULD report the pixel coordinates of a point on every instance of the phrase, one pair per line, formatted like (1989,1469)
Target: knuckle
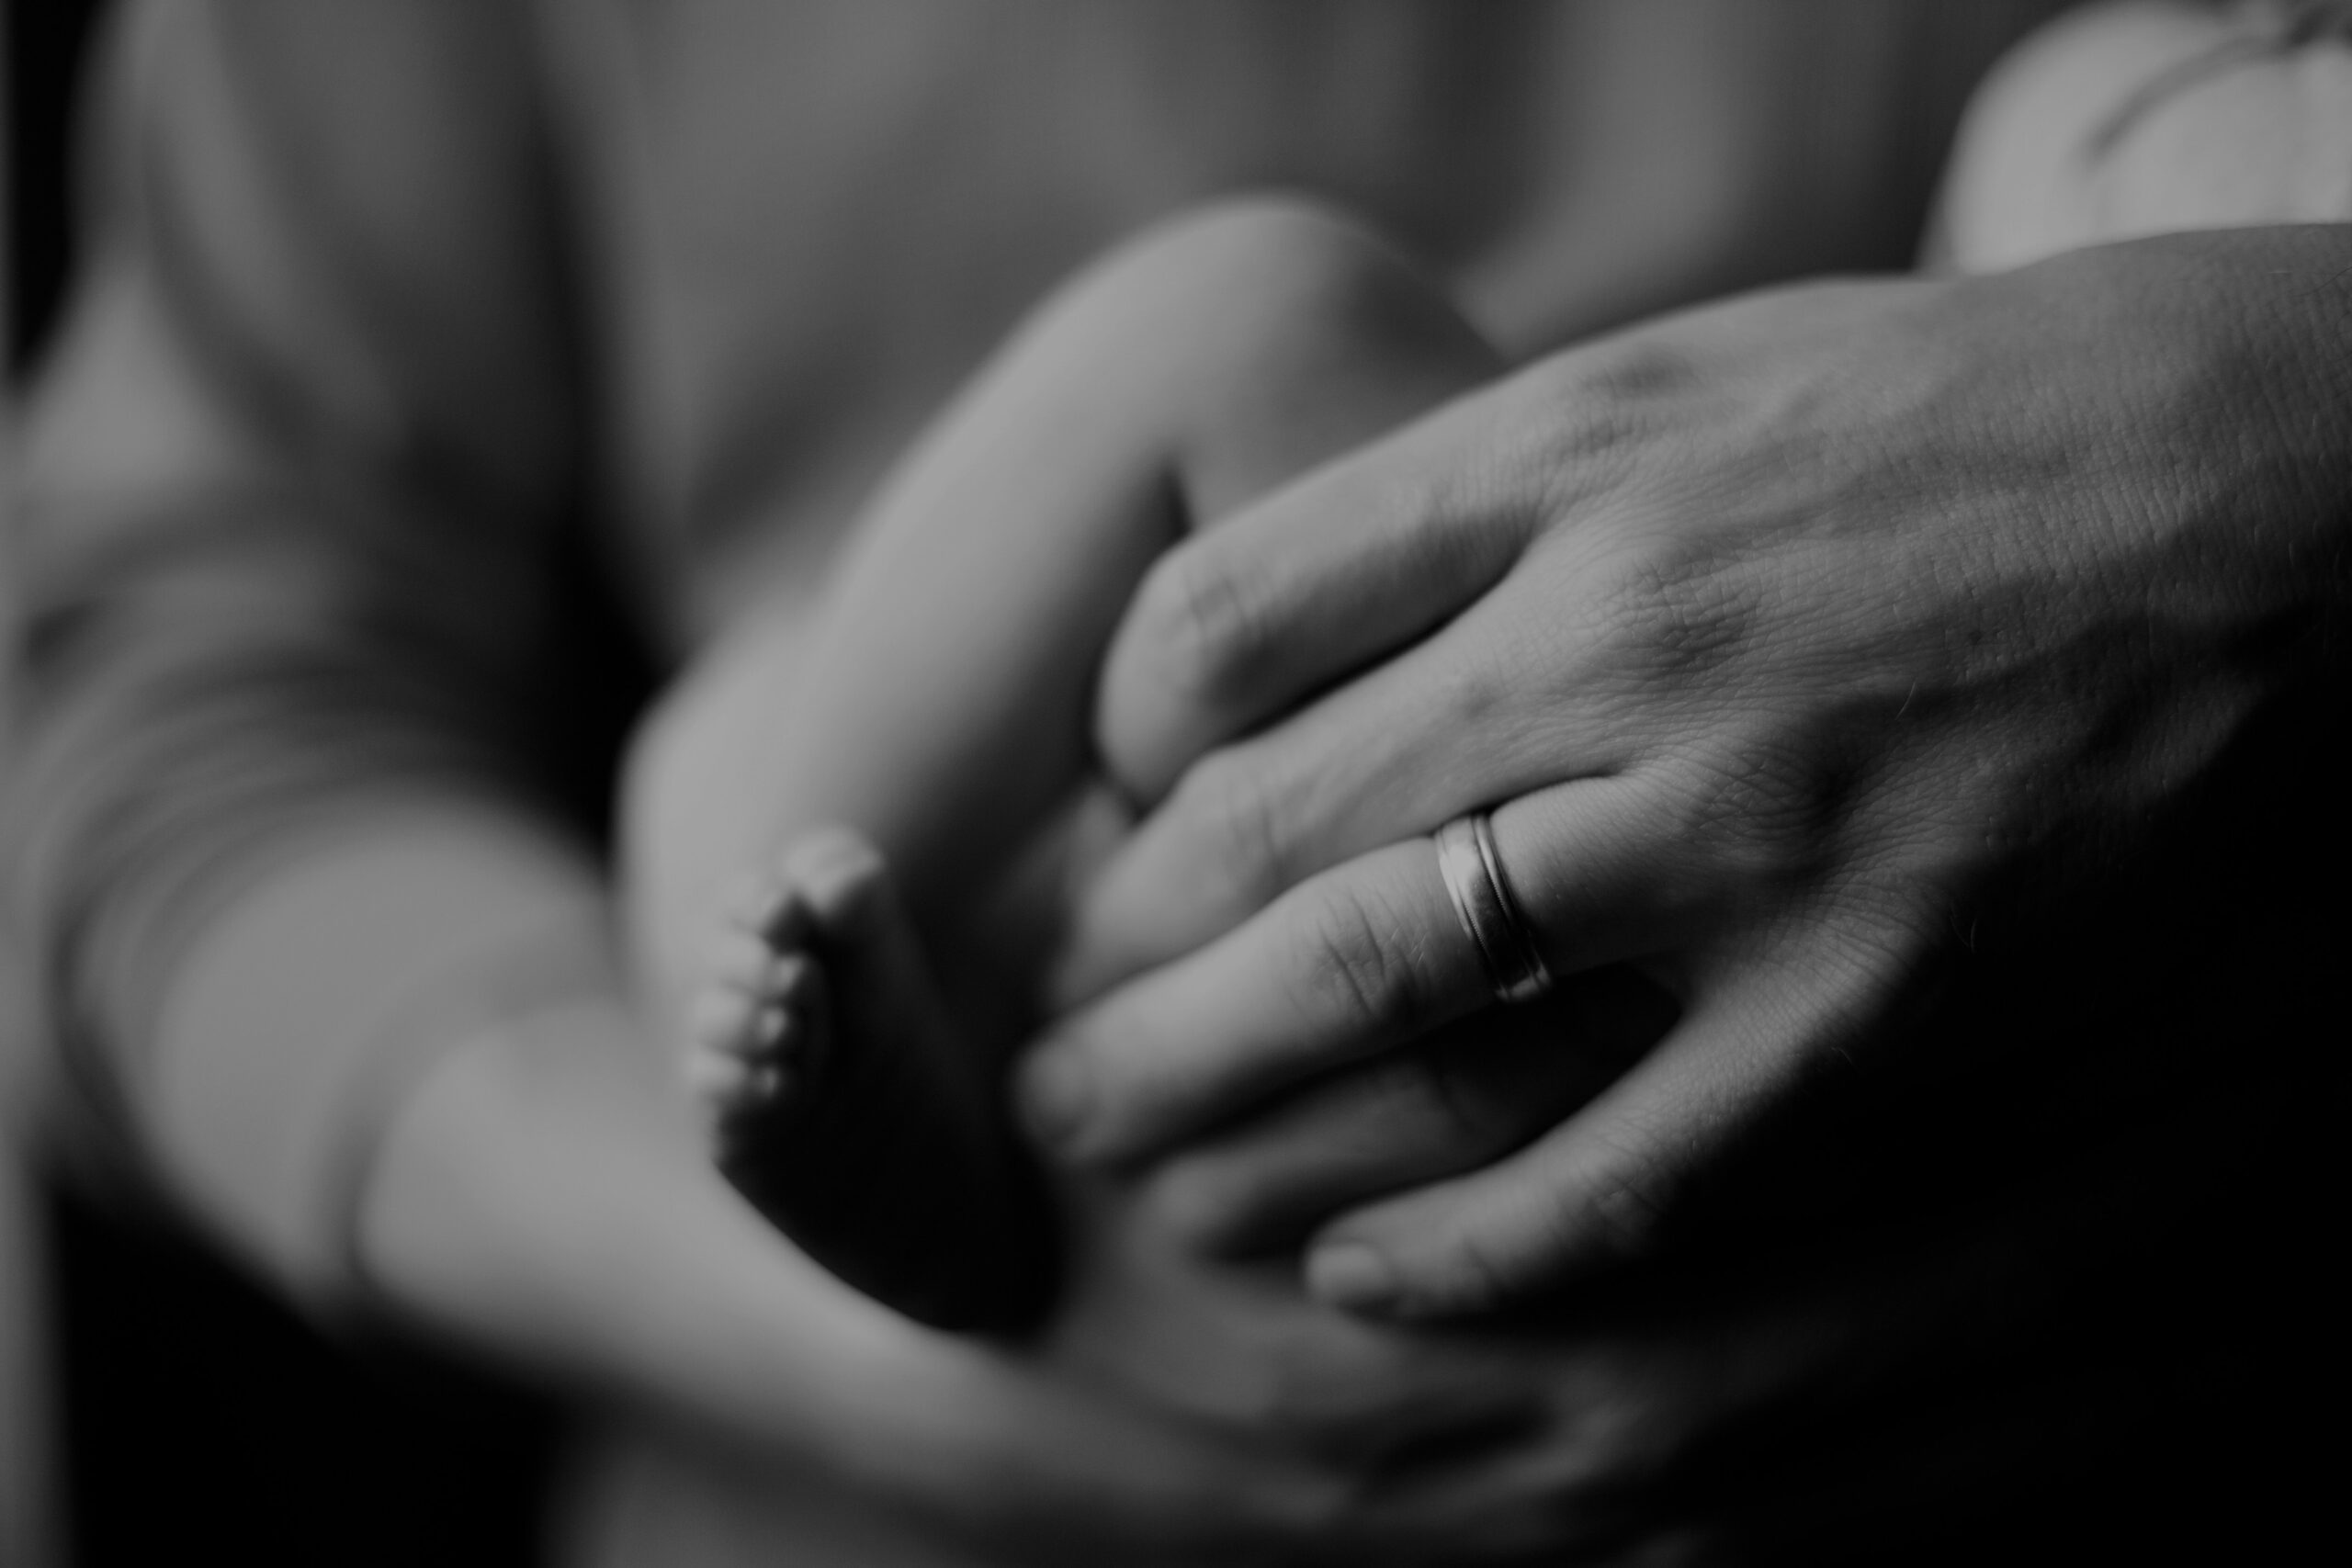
(1443,1097)
(1627,1214)
(1474,1274)
(1205,632)
(1863,960)
(1475,693)
(1625,1204)
(1357,962)
(1765,811)
(1678,613)
(1274,1381)
(1203,1202)
(1602,404)
(1229,807)
(1636,370)
(1630,1425)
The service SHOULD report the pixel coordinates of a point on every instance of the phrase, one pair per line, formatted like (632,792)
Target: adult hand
(1788,638)
(1821,1370)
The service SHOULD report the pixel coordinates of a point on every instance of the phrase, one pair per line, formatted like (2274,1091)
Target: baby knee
(1271,280)
(1273,247)
(1277,333)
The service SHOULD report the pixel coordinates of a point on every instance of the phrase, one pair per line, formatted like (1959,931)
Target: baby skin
(919,771)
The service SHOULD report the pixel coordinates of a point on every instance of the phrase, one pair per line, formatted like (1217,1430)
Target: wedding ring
(1473,877)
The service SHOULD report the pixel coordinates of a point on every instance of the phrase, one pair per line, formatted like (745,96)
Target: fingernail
(1350,1275)
(1056,1097)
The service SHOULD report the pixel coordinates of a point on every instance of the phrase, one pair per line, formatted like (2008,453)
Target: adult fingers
(1604,1473)
(1350,961)
(1527,1497)
(1073,1475)
(1364,957)
(1347,562)
(1455,722)
(1463,1097)
(1600,1185)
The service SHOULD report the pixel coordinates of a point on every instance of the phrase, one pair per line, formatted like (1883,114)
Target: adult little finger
(1604,1183)
(1455,1100)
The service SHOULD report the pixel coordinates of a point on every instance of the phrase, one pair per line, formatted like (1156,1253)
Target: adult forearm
(537,1196)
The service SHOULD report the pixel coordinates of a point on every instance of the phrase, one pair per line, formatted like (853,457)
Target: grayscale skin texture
(1834,655)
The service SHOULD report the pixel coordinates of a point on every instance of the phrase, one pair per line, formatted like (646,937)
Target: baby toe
(765,1084)
(716,1078)
(722,1019)
(792,980)
(770,1031)
(834,872)
(770,909)
(740,961)
(730,1088)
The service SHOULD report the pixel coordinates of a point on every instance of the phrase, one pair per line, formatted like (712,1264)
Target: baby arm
(922,744)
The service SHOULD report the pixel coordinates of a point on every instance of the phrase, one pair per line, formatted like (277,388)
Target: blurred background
(154,1405)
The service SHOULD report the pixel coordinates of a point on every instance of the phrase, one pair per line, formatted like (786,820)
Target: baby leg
(941,709)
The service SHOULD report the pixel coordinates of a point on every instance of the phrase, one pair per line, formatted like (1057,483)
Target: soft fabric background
(155,1406)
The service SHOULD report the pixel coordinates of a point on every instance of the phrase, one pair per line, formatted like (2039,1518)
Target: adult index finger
(1350,560)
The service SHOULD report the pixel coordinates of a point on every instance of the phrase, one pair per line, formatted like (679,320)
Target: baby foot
(844,1104)
(754,1028)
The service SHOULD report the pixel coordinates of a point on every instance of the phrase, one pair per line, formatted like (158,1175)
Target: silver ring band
(1473,877)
